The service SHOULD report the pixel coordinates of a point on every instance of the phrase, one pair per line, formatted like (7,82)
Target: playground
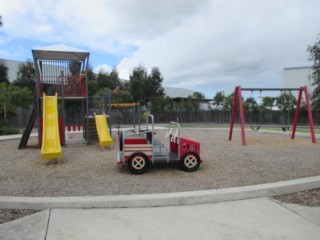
(76,151)
(88,170)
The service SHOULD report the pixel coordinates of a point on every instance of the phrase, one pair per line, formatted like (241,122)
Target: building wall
(297,77)
(13,67)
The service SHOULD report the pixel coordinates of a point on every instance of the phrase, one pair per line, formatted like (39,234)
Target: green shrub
(7,130)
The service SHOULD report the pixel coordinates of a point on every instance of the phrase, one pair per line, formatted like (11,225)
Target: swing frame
(258,126)
(237,100)
(285,127)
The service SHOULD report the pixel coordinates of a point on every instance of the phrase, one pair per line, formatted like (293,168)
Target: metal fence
(224,116)
(129,116)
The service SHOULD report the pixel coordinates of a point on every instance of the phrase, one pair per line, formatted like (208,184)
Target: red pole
(233,112)
(237,94)
(310,118)
(296,116)
(241,116)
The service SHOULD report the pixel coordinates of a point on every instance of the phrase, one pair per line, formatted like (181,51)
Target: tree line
(285,102)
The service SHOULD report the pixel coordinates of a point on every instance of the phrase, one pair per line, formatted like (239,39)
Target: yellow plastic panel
(51,147)
(103,130)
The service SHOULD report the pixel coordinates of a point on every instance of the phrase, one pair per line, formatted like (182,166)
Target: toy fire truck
(139,148)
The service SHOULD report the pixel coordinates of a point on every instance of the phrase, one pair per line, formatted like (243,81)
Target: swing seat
(255,128)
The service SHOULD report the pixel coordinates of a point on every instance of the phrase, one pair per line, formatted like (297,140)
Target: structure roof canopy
(60,52)
(174,92)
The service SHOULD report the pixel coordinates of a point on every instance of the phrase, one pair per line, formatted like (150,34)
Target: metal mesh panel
(63,77)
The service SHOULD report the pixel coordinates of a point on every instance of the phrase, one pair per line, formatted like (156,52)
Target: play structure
(237,101)
(51,147)
(60,71)
(104,135)
(99,106)
(138,148)
(116,113)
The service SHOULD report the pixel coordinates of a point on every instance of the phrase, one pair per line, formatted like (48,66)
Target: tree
(228,101)
(137,83)
(160,105)
(286,101)
(114,80)
(93,86)
(193,101)
(103,92)
(153,88)
(124,97)
(90,74)
(250,104)
(198,98)
(26,76)
(219,98)
(108,80)
(12,97)
(145,88)
(267,102)
(126,85)
(3,72)
(314,56)
(102,79)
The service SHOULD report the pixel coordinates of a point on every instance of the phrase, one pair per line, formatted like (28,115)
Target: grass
(237,126)
(302,130)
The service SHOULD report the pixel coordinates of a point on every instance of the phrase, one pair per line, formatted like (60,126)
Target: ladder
(30,124)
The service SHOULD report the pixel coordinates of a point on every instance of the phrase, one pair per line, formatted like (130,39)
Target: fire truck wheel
(138,163)
(190,162)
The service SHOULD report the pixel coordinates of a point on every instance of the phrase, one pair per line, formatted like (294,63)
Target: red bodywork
(137,144)
(186,145)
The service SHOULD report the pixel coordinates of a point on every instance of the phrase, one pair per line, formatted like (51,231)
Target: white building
(13,67)
(295,77)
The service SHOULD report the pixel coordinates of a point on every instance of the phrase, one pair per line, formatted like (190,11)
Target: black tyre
(138,163)
(190,162)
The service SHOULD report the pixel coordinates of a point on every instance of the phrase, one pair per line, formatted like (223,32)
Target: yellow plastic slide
(103,130)
(51,147)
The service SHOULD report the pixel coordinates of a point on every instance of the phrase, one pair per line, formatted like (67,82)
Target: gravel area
(88,170)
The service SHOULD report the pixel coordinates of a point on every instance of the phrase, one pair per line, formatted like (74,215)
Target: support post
(310,118)
(63,107)
(241,116)
(296,115)
(233,111)
(237,96)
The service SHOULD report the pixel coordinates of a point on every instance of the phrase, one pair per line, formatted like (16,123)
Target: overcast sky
(203,45)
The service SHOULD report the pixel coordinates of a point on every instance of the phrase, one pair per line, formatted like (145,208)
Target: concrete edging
(162,199)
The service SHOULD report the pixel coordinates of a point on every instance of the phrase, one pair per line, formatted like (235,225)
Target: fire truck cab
(138,148)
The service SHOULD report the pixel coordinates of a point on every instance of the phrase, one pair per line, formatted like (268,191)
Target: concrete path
(259,218)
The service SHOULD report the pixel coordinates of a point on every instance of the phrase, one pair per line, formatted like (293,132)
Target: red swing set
(237,99)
